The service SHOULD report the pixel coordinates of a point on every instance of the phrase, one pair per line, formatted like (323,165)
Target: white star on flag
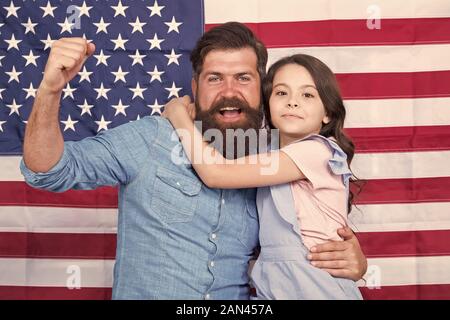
(173,25)
(84,75)
(29,26)
(12,10)
(48,42)
(119,42)
(1,125)
(155,74)
(120,9)
(137,58)
(30,58)
(120,108)
(101,26)
(66,26)
(102,92)
(101,58)
(173,58)
(173,91)
(68,91)
(156,107)
(84,10)
(31,92)
(155,42)
(138,91)
(86,108)
(69,124)
(137,26)
(14,107)
(13,75)
(48,10)
(13,43)
(102,124)
(120,75)
(155,9)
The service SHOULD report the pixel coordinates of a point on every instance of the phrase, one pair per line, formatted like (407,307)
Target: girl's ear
(326,120)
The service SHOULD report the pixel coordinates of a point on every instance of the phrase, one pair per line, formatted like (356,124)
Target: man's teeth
(229,109)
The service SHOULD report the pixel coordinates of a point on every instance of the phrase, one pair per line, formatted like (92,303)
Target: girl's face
(295,105)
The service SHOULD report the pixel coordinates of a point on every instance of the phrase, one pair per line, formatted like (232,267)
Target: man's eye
(213,79)
(244,78)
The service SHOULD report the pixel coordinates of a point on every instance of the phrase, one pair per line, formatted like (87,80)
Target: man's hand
(66,58)
(343,259)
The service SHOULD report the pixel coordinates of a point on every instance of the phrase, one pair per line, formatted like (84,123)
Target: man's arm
(112,157)
(43,143)
(343,259)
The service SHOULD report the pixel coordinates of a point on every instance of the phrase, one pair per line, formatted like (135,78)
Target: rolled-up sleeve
(110,158)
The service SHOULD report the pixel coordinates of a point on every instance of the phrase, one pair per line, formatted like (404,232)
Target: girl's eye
(308,95)
(280,93)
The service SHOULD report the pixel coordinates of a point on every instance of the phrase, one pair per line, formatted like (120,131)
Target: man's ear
(194,87)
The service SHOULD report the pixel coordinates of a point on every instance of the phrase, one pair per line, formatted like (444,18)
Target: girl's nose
(292,105)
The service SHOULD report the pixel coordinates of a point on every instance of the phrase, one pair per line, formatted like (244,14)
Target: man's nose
(229,88)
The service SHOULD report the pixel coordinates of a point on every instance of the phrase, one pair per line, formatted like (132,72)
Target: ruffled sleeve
(321,160)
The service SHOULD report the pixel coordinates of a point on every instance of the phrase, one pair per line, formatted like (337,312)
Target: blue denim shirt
(177,239)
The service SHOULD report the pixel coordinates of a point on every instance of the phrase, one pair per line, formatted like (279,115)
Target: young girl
(308,195)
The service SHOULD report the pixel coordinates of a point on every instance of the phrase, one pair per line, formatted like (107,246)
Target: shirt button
(178,184)
(211,263)
(213,236)
(223,201)
(207,296)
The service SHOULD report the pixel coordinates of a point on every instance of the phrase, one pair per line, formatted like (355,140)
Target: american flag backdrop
(392,62)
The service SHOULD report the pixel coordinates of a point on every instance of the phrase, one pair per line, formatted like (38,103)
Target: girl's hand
(179,109)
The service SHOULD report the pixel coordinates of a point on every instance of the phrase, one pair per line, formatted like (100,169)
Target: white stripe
(400,217)
(58,220)
(369,59)
(428,164)
(98,273)
(10,170)
(397,112)
(219,11)
(408,271)
(56,272)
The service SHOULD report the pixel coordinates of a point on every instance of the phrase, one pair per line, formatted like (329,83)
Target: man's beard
(229,147)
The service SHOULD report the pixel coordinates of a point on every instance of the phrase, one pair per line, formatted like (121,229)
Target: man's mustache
(234,102)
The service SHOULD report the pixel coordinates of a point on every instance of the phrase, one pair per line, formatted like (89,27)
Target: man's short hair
(230,35)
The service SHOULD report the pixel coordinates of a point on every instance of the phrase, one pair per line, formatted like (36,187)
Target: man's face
(228,90)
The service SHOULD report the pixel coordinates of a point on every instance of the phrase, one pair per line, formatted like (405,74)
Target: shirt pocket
(175,196)
(250,225)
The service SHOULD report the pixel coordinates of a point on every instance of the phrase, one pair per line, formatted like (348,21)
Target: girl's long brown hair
(329,93)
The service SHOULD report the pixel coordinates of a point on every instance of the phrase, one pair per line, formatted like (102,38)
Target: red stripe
(103,246)
(14,193)
(403,190)
(373,192)
(394,85)
(400,139)
(411,292)
(57,245)
(351,32)
(405,243)
(53,293)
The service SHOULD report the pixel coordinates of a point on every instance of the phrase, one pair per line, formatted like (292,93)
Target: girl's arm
(257,170)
